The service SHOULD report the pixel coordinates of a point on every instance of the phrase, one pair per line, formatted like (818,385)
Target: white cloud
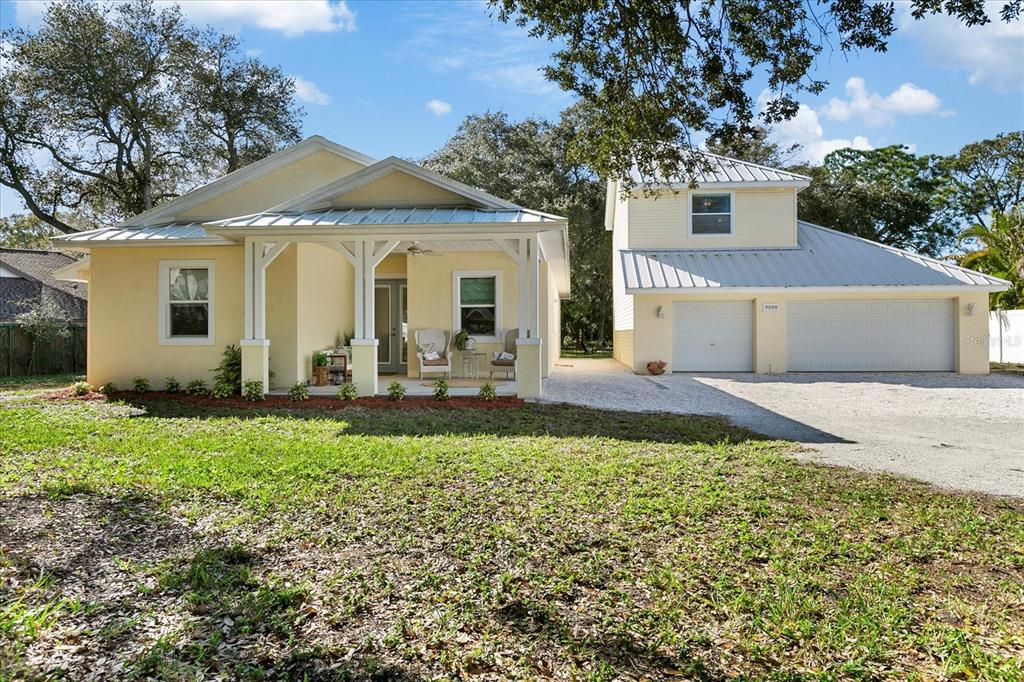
(439,107)
(875,109)
(462,39)
(308,91)
(805,130)
(525,78)
(992,55)
(29,12)
(253,52)
(290,17)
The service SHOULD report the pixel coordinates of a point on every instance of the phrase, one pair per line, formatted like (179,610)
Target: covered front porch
(392,279)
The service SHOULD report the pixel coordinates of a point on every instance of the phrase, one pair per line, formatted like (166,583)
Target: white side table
(471,364)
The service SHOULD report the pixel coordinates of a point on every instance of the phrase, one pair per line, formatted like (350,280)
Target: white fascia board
(685,186)
(610,197)
(244,175)
(86,246)
(938,290)
(73,272)
(391,231)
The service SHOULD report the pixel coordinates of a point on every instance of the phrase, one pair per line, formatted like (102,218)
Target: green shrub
(298,392)
(229,371)
(488,392)
(441,389)
(396,391)
(222,389)
(80,388)
(172,385)
(197,387)
(108,388)
(347,391)
(140,384)
(320,359)
(252,390)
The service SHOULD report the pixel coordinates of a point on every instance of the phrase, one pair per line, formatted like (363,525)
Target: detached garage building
(724,278)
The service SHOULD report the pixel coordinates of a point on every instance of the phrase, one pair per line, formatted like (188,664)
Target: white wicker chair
(436,340)
(506,366)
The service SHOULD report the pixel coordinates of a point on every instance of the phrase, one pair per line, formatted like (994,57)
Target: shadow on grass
(112,571)
(531,419)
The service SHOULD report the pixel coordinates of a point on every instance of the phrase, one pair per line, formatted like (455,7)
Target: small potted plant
(321,369)
(463,341)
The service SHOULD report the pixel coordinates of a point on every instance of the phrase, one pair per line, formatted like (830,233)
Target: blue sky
(397,77)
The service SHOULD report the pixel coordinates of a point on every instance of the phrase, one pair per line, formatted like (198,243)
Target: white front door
(870,335)
(713,336)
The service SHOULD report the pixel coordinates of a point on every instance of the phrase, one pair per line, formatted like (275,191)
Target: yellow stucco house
(724,277)
(316,241)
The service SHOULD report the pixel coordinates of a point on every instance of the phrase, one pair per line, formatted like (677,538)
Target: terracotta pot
(656,367)
(321,375)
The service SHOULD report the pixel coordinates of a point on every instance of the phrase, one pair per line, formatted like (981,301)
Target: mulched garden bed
(319,403)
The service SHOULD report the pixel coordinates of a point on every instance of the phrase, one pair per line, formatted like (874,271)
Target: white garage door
(713,337)
(886,336)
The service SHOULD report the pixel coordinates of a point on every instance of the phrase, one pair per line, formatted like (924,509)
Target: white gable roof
(823,258)
(320,198)
(311,145)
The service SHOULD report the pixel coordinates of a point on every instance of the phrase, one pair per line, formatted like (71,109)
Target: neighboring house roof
(34,270)
(717,170)
(823,258)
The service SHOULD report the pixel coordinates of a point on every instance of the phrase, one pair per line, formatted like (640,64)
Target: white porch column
(259,253)
(529,346)
(364,346)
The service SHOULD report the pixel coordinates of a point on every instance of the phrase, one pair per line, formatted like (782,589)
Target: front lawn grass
(155,540)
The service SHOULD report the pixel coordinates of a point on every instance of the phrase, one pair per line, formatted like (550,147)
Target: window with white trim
(476,303)
(186,302)
(711,213)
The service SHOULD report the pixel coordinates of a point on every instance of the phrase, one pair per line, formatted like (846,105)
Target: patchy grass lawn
(580,354)
(35,382)
(153,540)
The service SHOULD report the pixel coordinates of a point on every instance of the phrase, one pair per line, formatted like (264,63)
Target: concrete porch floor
(416,387)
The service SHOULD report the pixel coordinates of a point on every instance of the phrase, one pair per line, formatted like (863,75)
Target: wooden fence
(19,356)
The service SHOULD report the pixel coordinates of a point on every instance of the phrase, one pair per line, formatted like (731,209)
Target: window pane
(190,319)
(478,320)
(189,284)
(711,224)
(476,291)
(711,203)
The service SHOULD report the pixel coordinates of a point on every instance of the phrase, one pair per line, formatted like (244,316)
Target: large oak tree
(109,109)
(659,74)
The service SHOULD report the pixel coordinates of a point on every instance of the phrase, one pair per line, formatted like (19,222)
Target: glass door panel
(404,315)
(382,323)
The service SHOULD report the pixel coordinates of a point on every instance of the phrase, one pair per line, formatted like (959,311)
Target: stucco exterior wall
(398,189)
(652,339)
(306,174)
(310,299)
(761,218)
(124,311)
(622,346)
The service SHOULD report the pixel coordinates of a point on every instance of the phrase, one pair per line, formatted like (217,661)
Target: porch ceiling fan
(415,249)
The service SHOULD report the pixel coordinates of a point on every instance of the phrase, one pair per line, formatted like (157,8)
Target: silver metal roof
(149,233)
(722,169)
(823,258)
(388,216)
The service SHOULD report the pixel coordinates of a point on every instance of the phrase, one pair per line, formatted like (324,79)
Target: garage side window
(186,302)
(477,296)
(711,213)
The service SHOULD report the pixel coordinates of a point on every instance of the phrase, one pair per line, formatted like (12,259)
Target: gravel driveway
(963,432)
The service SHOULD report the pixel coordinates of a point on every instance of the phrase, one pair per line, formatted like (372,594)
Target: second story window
(711,213)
